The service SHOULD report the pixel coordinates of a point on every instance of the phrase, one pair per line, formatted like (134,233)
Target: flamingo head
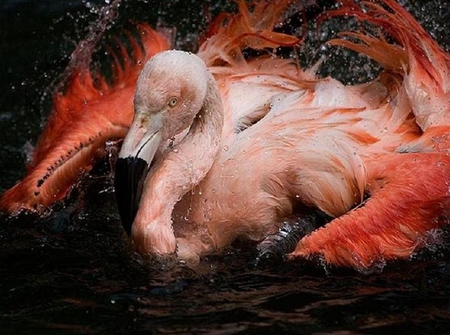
(169,94)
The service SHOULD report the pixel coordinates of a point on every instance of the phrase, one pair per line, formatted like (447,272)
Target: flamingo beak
(132,166)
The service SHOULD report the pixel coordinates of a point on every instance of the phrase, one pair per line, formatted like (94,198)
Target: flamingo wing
(408,188)
(87,114)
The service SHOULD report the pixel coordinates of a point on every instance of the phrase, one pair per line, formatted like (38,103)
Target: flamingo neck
(179,170)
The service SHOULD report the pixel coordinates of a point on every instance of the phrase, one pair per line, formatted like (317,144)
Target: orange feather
(87,114)
(408,200)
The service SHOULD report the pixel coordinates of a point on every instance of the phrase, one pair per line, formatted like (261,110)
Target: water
(72,272)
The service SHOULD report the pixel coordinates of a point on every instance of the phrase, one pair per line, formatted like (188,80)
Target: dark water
(72,272)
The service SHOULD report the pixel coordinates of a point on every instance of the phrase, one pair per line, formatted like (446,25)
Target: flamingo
(318,143)
(222,147)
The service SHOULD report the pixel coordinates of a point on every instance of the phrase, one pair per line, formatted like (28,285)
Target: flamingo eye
(172,102)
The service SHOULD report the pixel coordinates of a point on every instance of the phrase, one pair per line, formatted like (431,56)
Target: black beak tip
(130,173)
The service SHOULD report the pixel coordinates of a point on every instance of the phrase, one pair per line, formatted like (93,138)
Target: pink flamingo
(233,146)
(311,142)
